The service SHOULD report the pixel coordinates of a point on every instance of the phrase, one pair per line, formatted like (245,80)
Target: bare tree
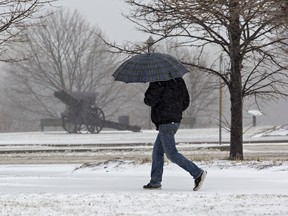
(15,18)
(248,34)
(202,91)
(64,53)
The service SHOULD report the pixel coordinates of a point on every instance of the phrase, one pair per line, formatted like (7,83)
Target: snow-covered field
(115,187)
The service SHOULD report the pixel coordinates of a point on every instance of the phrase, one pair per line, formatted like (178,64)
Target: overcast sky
(106,14)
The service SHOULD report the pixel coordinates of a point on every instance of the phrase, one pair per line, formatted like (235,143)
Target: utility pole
(220,99)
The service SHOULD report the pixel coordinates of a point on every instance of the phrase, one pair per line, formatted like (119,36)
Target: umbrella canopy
(149,67)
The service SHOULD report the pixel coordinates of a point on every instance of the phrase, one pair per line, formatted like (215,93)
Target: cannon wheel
(96,120)
(70,126)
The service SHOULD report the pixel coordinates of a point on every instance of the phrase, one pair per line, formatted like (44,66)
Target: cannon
(82,110)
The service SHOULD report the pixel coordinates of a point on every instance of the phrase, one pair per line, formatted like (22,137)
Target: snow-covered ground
(114,188)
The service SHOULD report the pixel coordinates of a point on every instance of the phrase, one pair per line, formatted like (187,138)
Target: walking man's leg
(157,165)
(167,137)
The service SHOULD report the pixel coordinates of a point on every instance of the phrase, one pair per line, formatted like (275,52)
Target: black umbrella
(149,67)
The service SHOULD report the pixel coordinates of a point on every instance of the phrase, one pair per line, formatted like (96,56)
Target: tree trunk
(236,134)
(235,87)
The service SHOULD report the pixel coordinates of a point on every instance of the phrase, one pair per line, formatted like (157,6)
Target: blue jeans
(165,143)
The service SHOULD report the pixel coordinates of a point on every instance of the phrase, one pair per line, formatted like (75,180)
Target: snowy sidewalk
(115,188)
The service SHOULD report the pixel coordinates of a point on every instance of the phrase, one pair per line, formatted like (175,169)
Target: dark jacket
(168,99)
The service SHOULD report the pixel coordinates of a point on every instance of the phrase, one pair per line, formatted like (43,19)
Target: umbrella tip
(150,43)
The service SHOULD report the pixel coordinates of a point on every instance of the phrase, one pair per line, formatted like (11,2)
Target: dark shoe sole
(157,188)
(146,187)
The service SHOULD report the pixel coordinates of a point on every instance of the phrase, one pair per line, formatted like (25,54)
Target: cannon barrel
(67,98)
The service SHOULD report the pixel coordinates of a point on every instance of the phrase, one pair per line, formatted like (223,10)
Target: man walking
(168,99)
